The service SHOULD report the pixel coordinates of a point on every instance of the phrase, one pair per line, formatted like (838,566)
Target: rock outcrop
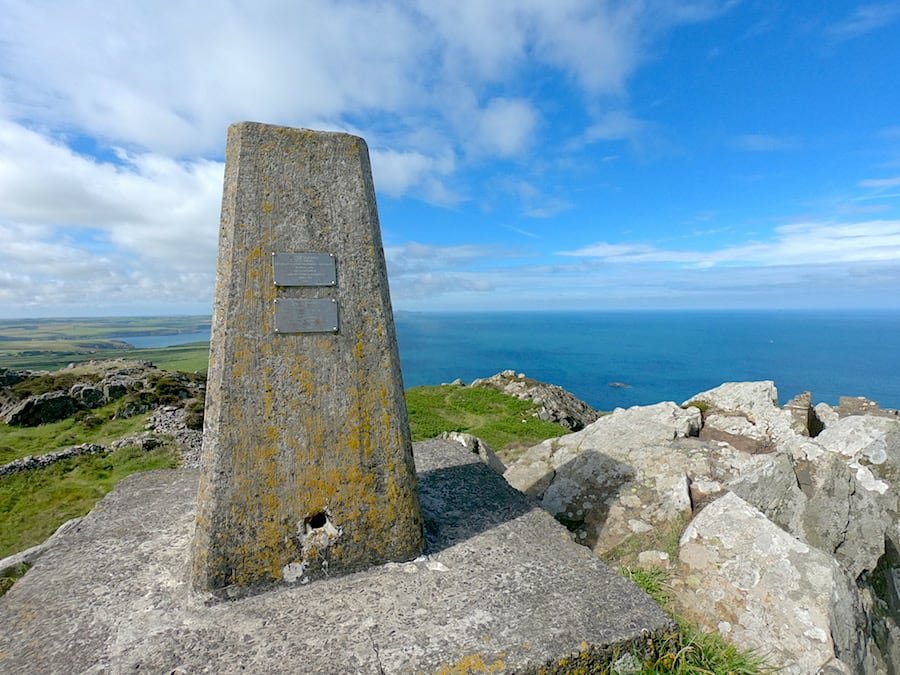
(90,385)
(764,589)
(786,503)
(554,403)
(41,409)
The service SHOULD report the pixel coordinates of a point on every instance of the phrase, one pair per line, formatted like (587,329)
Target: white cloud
(170,76)
(874,241)
(149,205)
(536,204)
(507,126)
(803,265)
(424,271)
(414,257)
(77,231)
(398,172)
(159,83)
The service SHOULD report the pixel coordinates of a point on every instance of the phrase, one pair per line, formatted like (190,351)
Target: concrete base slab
(501,588)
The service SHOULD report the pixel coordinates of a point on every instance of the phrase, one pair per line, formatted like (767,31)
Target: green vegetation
(194,417)
(503,422)
(661,538)
(187,358)
(50,344)
(702,406)
(33,504)
(93,426)
(689,651)
(9,576)
(653,582)
(41,384)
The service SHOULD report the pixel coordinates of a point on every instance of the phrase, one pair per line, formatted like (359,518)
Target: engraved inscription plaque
(304,269)
(293,315)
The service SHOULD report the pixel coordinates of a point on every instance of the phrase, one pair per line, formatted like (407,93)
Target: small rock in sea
(619,385)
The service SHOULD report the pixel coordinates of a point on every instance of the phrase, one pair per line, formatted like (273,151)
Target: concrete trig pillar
(307,466)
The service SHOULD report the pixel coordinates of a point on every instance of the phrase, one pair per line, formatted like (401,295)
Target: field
(49,344)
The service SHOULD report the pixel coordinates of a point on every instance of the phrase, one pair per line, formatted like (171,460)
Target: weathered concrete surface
(502,586)
(307,465)
(477,446)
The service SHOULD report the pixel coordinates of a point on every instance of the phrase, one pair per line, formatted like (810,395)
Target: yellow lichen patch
(255,254)
(303,378)
(359,349)
(473,663)
(267,207)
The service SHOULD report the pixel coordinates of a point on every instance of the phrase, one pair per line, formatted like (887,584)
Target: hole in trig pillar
(316,522)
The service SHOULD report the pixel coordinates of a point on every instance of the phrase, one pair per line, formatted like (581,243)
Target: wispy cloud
(798,244)
(524,233)
(507,126)
(880,183)
(417,257)
(889,133)
(168,79)
(614,126)
(399,172)
(419,271)
(864,20)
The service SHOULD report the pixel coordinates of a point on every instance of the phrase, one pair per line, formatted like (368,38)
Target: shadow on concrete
(461,501)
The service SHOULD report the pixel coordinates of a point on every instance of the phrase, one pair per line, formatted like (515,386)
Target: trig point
(307,466)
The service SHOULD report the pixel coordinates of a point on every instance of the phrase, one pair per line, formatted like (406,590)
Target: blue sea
(660,355)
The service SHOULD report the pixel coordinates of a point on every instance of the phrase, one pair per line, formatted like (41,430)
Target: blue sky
(564,154)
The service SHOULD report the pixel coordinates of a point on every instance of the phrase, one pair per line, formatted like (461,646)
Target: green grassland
(48,344)
(95,427)
(33,504)
(503,422)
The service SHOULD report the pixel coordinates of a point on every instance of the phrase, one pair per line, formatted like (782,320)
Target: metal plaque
(304,269)
(306,316)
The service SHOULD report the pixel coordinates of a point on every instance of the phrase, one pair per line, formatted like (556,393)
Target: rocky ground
(554,404)
(29,399)
(785,521)
(779,526)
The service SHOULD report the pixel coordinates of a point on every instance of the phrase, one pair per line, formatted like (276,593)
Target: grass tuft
(10,575)
(653,582)
(702,406)
(689,651)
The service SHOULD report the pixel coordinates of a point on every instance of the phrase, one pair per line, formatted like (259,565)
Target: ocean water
(660,355)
